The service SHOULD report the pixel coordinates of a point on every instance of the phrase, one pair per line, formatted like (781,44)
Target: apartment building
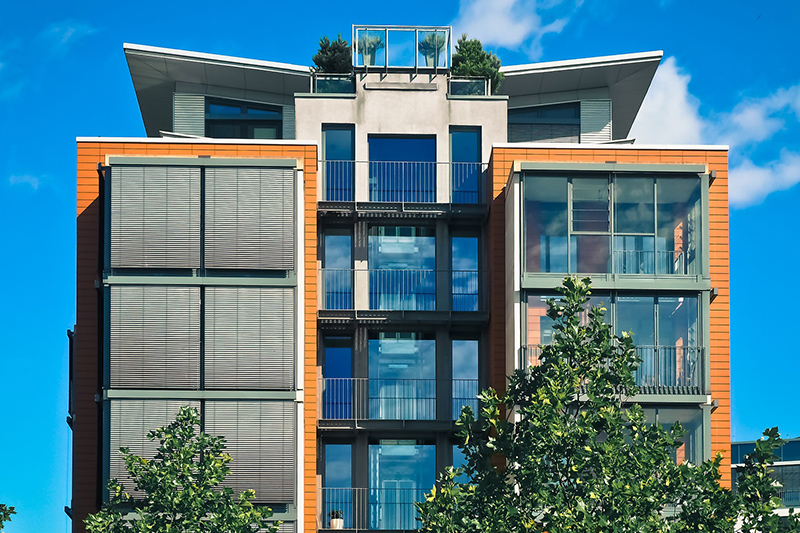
(785,470)
(331,266)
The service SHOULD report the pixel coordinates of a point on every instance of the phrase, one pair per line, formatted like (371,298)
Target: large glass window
(337,270)
(402,168)
(228,119)
(402,376)
(627,225)
(339,390)
(402,268)
(465,273)
(338,152)
(691,420)
(465,169)
(546,123)
(400,473)
(465,375)
(337,494)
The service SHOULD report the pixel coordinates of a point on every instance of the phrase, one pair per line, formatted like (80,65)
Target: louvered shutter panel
(155,217)
(249,338)
(189,114)
(261,438)
(288,122)
(154,338)
(595,121)
(131,421)
(250,218)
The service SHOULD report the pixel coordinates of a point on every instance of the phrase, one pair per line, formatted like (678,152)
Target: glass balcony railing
(364,508)
(663,370)
(395,399)
(469,86)
(333,83)
(397,289)
(403,181)
(401,47)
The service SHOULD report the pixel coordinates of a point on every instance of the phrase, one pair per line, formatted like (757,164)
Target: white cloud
(26,179)
(510,23)
(66,32)
(671,114)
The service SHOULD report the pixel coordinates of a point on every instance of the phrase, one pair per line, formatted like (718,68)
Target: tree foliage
(181,487)
(333,57)
(563,451)
(5,514)
(470,59)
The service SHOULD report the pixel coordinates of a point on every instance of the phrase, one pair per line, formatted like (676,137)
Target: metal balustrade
(402,181)
(663,369)
(394,399)
(396,289)
(650,262)
(367,508)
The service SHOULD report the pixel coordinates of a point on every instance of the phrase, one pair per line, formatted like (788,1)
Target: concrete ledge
(398,86)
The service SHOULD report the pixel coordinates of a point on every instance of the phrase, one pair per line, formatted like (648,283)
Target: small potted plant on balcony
(337,520)
(369,42)
(431,47)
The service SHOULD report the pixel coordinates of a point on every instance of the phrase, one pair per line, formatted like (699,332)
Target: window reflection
(402,376)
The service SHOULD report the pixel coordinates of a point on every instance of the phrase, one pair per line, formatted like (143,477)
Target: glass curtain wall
(402,168)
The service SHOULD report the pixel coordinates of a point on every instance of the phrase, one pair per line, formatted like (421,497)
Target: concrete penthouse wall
(87,353)
(715,159)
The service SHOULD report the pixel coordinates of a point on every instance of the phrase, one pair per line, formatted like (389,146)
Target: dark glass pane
(465,376)
(634,254)
(635,205)
(223,130)
(337,494)
(337,279)
(465,273)
(224,109)
(402,268)
(636,315)
(545,224)
(338,390)
(264,112)
(465,153)
(263,132)
(558,113)
(402,168)
(590,254)
(402,377)
(678,232)
(339,154)
(400,473)
(590,205)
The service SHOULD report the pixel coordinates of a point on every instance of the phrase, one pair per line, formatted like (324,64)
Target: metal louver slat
(250,338)
(261,438)
(595,121)
(250,218)
(154,340)
(131,421)
(288,122)
(155,217)
(189,114)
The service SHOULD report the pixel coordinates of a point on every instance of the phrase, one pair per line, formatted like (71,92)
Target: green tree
(5,514)
(333,57)
(181,487)
(470,59)
(563,451)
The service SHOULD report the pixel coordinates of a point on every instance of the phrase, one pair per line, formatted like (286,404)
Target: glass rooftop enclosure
(401,47)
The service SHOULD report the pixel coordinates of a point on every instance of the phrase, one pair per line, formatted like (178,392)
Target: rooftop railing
(401,47)
(363,508)
(403,181)
(475,86)
(663,370)
(397,289)
(395,399)
(333,83)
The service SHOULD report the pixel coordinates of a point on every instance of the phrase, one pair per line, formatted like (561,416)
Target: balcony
(397,290)
(401,47)
(364,508)
(667,370)
(322,83)
(473,86)
(402,182)
(665,262)
(396,399)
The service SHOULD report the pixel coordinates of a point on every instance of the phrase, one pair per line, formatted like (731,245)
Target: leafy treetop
(333,57)
(5,514)
(563,450)
(181,488)
(470,59)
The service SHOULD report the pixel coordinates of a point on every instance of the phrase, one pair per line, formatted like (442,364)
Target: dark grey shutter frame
(154,340)
(189,114)
(262,439)
(288,122)
(595,121)
(250,218)
(250,338)
(131,421)
(155,217)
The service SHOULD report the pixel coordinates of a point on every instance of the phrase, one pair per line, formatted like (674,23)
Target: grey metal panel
(154,340)
(155,217)
(250,338)
(261,438)
(595,121)
(250,218)
(287,527)
(550,133)
(288,122)
(130,422)
(189,114)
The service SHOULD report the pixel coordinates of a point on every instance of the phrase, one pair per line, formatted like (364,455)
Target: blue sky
(729,76)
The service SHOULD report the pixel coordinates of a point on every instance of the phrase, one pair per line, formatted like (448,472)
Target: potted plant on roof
(369,42)
(337,520)
(431,47)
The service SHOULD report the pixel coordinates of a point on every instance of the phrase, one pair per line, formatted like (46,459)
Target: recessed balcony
(371,509)
(403,182)
(668,370)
